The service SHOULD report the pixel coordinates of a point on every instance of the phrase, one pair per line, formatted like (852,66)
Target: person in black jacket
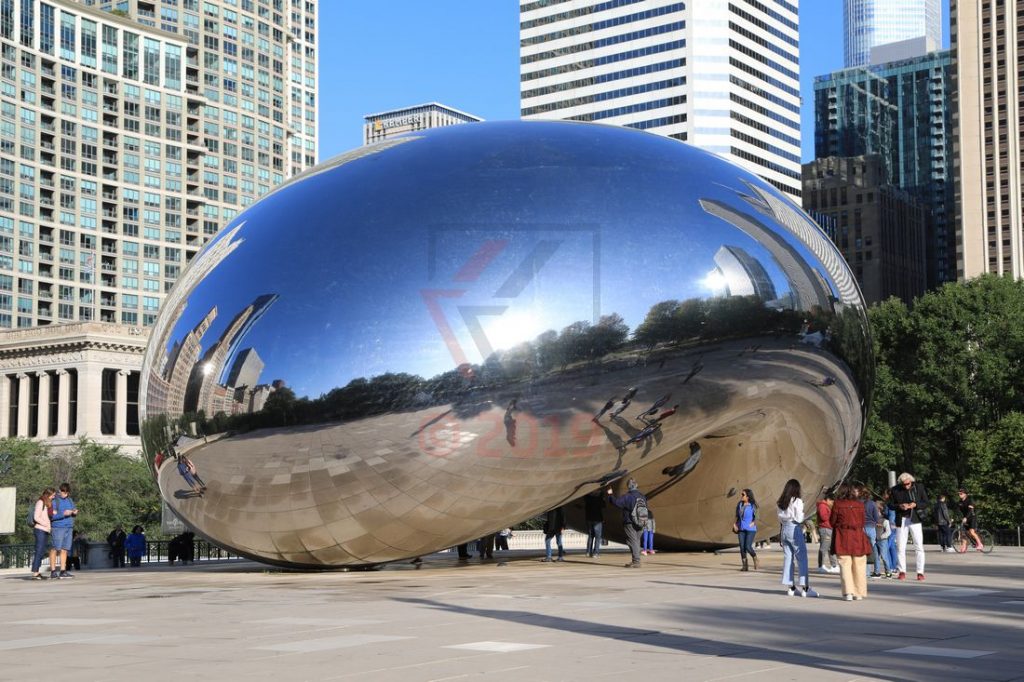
(626,503)
(554,524)
(116,542)
(909,500)
(594,510)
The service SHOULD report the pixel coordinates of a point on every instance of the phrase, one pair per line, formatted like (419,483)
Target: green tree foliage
(108,487)
(948,393)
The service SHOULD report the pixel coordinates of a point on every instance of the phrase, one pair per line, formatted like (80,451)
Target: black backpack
(639,514)
(31,519)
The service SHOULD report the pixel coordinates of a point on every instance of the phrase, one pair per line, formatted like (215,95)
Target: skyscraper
(903,112)
(385,124)
(129,137)
(869,24)
(880,228)
(722,76)
(990,102)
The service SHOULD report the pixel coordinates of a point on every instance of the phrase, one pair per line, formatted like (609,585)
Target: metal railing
(99,555)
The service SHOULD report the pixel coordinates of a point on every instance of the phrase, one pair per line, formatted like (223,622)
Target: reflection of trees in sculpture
(668,324)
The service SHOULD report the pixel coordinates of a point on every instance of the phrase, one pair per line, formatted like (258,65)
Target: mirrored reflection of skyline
(456,284)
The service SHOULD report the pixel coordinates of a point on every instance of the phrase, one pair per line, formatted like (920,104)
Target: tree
(949,388)
(108,486)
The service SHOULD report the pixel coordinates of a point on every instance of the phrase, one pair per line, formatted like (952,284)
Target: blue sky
(465,53)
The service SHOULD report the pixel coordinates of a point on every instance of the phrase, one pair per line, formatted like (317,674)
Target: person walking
(593,509)
(135,546)
(554,524)
(746,527)
(871,521)
(944,524)
(64,513)
(827,562)
(909,500)
(42,512)
(850,543)
(791,537)
(634,513)
(647,538)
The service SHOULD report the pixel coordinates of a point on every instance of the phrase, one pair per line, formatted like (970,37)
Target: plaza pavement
(680,617)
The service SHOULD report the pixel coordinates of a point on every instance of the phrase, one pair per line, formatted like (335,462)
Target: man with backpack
(634,516)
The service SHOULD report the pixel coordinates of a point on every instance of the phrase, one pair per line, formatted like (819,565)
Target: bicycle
(962,539)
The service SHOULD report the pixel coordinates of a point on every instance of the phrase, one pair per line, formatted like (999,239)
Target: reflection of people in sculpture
(653,409)
(185,468)
(643,433)
(667,413)
(824,381)
(626,400)
(510,423)
(607,406)
(694,371)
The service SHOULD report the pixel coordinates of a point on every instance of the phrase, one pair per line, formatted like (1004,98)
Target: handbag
(735,529)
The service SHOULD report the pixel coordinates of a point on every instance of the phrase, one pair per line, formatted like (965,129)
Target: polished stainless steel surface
(414,344)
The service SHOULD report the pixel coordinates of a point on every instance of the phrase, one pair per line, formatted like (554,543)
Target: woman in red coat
(850,542)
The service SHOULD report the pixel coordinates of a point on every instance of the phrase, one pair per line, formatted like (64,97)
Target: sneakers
(901,576)
(949,549)
(632,565)
(876,576)
(37,576)
(54,575)
(808,592)
(561,558)
(545,560)
(790,592)
(64,574)
(857,597)
(847,597)
(824,569)
(920,576)
(888,574)
(643,552)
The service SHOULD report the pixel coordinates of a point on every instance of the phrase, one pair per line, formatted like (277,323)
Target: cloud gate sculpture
(422,341)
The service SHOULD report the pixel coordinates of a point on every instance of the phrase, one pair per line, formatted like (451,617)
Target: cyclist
(970,522)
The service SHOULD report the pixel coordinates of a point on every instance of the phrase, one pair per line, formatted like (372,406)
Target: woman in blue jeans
(746,526)
(791,536)
(41,515)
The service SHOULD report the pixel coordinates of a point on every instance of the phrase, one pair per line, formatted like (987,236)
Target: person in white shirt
(791,537)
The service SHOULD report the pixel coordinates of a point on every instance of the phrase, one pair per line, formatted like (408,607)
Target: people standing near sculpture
(634,514)
(882,534)
(791,537)
(647,538)
(135,546)
(871,521)
(827,562)
(502,538)
(115,539)
(64,513)
(554,524)
(909,500)
(850,542)
(944,524)
(890,515)
(593,511)
(42,513)
(746,527)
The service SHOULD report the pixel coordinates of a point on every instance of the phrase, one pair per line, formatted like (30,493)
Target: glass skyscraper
(869,23)
(131,131)
(903,112)
(724,76)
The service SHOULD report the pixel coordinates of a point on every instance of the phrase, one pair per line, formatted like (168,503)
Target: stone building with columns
(61,382)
